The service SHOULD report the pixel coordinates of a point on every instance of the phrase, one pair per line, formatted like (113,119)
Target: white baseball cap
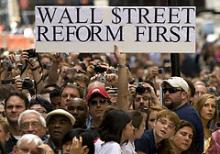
(177,82)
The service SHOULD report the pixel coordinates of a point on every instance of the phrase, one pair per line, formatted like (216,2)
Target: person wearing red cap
(98,100)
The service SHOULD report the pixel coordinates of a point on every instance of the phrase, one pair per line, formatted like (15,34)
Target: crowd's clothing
(128,148)
(188,113)
(10,144)
(206,144)
(146,143)
(98,144)
(214,147)
(110,148)
(53,146)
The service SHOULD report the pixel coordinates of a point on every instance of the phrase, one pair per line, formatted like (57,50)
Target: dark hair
(112,125)
(71,134)
(182,124)
(43,102)
(137,118)
(20,95)
(55,92)
(191,87)
(86,136)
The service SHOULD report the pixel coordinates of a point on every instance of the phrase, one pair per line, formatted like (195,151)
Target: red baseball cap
(97,90)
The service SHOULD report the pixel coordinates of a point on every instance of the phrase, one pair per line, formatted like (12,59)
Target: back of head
(29,138)
(137,117)
(114,121)
(43,102)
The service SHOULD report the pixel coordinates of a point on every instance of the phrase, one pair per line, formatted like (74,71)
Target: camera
(140,89)
(27,84)
(47,66)
(6,64)
(99,69)
(32,53)
(161,70)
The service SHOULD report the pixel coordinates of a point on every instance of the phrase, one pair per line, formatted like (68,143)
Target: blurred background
(17,32)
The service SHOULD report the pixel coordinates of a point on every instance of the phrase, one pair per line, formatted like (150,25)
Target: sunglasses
(95,102)
(171,90)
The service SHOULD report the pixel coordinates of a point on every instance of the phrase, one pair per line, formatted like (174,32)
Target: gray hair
(26,112)
(29,138)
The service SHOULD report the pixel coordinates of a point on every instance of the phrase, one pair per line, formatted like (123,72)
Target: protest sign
(98,29)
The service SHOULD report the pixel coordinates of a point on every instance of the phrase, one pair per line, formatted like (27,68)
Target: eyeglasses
(165,122)
(34,125)
(171,90)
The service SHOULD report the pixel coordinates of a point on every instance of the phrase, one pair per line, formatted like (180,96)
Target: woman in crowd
(115,129)
(207,109)
(138,121)
(182,141)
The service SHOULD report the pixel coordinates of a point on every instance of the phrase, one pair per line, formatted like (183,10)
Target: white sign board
(98,29)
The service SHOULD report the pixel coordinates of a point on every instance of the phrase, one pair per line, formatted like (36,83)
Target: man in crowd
(98,100)
(15,104)
(144,97)
(32,122)
(176,98)
(68,92)
(200,89)
(78,108)
(59,122)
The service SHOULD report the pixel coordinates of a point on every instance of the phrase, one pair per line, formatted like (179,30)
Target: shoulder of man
(146,143)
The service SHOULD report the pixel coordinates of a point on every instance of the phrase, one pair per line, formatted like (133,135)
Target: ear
(185,95)
(85,150)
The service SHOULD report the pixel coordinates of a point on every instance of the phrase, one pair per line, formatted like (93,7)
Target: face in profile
(152,118)
(140,131)
(128,132)
(183,138)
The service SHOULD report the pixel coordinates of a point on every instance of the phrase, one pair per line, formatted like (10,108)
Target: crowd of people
(110,103)
(105,103)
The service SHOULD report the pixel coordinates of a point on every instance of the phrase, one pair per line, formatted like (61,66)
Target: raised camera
(99,69)
(32,53)
(27,84)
